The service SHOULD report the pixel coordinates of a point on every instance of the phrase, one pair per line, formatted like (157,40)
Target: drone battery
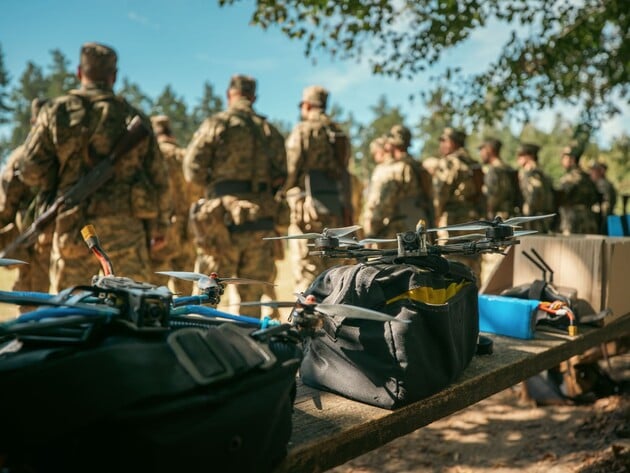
(507,316)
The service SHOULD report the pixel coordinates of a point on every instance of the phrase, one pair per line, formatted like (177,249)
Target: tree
(5,109)
(208,105)
(174,107)
(135,96)
(60,79)
(557,51)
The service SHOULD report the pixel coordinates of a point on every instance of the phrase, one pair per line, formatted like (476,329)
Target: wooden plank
(329,430)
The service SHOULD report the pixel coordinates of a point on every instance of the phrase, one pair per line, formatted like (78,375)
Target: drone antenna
(537,264)
(91,240)
(544,263)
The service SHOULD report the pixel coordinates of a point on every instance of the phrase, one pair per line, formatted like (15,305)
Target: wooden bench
(329,430)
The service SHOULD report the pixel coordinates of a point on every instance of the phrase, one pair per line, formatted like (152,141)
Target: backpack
(190,399)
(392,364)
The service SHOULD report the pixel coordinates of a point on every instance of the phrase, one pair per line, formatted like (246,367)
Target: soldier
(71,134)
(317,158)
(399,192)
(577,195)
(240,159)
(179,252)
(536,188)
(458,188)
(607,192)
(19,205)
(500,181)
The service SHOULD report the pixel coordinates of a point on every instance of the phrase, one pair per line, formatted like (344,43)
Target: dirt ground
(504,434)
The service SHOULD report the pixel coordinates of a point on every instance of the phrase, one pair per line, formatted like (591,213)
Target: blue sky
(186,42)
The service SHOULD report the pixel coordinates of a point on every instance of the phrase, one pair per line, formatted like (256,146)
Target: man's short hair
(245,85)
(161,124)
(98,61)
(457,136)
(494,143)
(574,150)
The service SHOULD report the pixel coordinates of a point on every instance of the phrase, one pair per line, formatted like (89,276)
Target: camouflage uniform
(18,206)
(457,186)
(536,189)
(240,158)
(607,195)
(309,149)
(578,195)
(392,183)
(501,189)
(179,253)
(72,133)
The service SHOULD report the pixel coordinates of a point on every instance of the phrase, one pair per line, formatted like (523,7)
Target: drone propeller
(326,233)
(213,280)
(365,241)
(9,261)
(485,224)
(481,236)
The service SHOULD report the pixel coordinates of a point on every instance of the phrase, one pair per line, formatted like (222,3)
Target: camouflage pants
(124,240)
(578,219)
(249,256)
(305,267)
(178,255)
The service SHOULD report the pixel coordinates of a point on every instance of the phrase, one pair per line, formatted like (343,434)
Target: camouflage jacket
(238,145)
(608,195)
(501,189)
(309,148)
(457,185)
(75,131)
(537,191)
(396,198)
(15,196)
(578,196)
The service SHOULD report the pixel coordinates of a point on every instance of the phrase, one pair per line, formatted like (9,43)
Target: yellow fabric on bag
(431,295)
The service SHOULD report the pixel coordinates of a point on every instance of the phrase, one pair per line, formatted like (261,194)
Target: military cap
(400,136)
(528,149)
(246,85)
(458,136)
(599,165)
(494,143)
(315,95)
(98,61)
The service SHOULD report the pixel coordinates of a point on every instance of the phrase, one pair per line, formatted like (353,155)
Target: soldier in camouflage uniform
(500,181)
(19,205)
(577,195)
(458,188)
(607,192)
(312,156)
(72,133)
(536,188)
(400,193)
(239,157)
(179,253)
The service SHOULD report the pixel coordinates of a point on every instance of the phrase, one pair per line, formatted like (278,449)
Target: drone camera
(500,232)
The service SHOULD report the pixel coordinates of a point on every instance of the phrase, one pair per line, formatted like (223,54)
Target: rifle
(84,188)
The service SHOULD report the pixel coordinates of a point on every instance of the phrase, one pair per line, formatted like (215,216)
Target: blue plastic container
(507,316)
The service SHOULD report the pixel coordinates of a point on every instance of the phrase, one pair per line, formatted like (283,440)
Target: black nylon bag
(392,364)
(197,400)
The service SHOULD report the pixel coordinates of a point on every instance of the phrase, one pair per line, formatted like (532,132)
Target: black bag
(392,364)
(188,400)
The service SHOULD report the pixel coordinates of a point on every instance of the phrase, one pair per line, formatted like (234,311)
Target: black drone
(499,234)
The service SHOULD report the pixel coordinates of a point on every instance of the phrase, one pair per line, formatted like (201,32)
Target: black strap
(256,225)
(235,187)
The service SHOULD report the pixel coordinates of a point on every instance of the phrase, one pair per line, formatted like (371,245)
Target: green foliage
(558,51)
(5,109)
(209,104)
(174,107)
(135,96)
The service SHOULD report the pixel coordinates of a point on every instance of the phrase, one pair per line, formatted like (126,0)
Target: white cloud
(143,20)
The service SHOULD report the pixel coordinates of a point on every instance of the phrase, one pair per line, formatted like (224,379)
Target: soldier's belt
(256,225)
(237,187)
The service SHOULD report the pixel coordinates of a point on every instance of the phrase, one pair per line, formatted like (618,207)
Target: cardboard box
(598,267)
